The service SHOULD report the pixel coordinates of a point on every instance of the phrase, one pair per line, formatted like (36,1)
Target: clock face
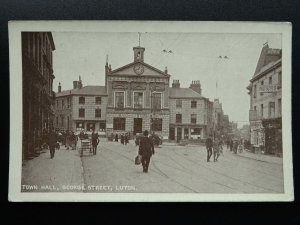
(138,69)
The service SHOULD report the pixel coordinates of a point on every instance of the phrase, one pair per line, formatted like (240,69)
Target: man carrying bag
(146,150)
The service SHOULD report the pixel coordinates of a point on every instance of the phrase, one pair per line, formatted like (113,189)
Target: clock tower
(138,54)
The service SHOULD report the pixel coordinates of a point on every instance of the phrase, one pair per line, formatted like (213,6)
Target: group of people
(214,147)
(235,146)
(67,138)
(124,138)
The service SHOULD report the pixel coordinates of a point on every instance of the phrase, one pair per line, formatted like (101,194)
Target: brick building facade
(265,102)
(38,97)
(190,113)
(81,108)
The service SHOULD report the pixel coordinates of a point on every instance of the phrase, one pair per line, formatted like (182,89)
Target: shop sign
(268,88)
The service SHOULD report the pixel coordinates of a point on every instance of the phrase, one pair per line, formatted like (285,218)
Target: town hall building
(138,97)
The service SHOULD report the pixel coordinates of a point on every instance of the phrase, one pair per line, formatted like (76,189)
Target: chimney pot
(59,87)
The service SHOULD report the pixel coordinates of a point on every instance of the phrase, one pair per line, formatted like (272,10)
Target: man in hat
(52,140)
(146,150)
(209,145)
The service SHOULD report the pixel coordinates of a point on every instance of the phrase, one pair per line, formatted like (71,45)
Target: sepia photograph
(150,111)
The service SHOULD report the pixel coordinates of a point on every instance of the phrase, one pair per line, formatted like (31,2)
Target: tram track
(183,170)
(225,175)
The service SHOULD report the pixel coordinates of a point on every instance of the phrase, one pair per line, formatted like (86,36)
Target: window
(254,91)
(193,118)
(97,112)
(178,118)
(102,125)
(57,121)
(271,109)
(119,123)
(62,121)
(270,80)
(262,84)
(119,100)
(80,125)
(81,100)
(262,110)
(56,104)
(196,131)
(98,100)
(138,100)
(62,104)
(157,124)
(68,123)
(156,100)
(178,103)
(69,102)
(279,79)
(193,104)
(81,112)
(254,108)
(279,107)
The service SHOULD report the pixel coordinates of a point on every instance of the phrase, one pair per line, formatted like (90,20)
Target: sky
(195,56)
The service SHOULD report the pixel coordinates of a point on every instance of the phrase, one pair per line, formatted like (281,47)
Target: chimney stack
(196,86)
(79,83)
(59,87)
(175,84)
(75,84)
(166,70)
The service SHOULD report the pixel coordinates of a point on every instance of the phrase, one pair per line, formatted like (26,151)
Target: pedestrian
(52,140)
(73,140)
(235,146)
(68,139)
(95,141)
(209,145)
(116,138)
(228,144)
(122,139)
(126,139)
(216,147)
(146,150)
(231,145)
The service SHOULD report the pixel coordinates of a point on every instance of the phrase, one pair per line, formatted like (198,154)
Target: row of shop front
(266,136)
(136,124)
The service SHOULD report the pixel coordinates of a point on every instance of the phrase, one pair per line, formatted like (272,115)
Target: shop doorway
(172,133)
(137,125)
(179,134)
(186,133)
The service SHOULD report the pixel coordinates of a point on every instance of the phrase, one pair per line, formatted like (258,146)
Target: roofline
(51,40)
(262,73)
(145,64)
(80,95)
(187,97)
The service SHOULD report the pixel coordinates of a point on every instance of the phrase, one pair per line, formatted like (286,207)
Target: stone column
(147,93)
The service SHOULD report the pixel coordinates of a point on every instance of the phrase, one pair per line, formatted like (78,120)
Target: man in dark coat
(209,145)
(52,140)
(95,141)
(122,139)
(146,150)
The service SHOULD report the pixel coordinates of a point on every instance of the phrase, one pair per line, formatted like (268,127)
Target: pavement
(173,169)
(44,174)
(246,153)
